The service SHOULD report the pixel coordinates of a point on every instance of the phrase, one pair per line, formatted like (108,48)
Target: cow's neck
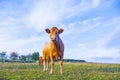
(57,45)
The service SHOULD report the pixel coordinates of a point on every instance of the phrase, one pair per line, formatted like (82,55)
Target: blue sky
(91,27)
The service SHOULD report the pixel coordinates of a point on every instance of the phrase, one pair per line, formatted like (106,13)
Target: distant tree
(29,57)
(22,57)
(14,56)
(35,56)
(3,56)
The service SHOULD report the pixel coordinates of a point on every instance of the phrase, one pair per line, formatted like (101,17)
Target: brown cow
(53,49)
(40,60)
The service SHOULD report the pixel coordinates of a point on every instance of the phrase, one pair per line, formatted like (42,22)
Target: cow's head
(54,33)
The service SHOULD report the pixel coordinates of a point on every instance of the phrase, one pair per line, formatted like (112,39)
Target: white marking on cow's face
(54,33)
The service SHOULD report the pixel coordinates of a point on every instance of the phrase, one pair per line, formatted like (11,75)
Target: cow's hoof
(51,72)
(61,72)
(44,70)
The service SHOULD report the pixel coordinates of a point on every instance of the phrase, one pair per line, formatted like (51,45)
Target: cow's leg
(44,64)
(61,64)
(52,65)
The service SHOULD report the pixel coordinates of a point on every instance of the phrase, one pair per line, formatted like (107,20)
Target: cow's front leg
(52,65)
(44,65)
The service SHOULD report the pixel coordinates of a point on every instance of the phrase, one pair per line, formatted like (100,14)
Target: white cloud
(103,52)
(95,47)
(96,3)
(46,13)
(112,29)
(93,54)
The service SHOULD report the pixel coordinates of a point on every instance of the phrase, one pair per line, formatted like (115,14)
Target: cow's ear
(47,30)
(60,31)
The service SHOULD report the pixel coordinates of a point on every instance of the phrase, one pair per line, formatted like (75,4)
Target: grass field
(72,71)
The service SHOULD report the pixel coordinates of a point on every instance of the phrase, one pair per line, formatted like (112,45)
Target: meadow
(72,71)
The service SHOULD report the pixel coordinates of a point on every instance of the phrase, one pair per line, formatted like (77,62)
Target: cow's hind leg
(61,68)
(61,64)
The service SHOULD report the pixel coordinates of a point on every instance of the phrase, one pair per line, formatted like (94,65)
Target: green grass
(72,71)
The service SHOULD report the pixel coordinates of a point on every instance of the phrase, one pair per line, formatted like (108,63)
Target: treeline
(73,60)
(15,57)
(33,57)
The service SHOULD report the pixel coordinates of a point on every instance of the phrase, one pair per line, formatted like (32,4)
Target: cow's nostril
(53,39)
